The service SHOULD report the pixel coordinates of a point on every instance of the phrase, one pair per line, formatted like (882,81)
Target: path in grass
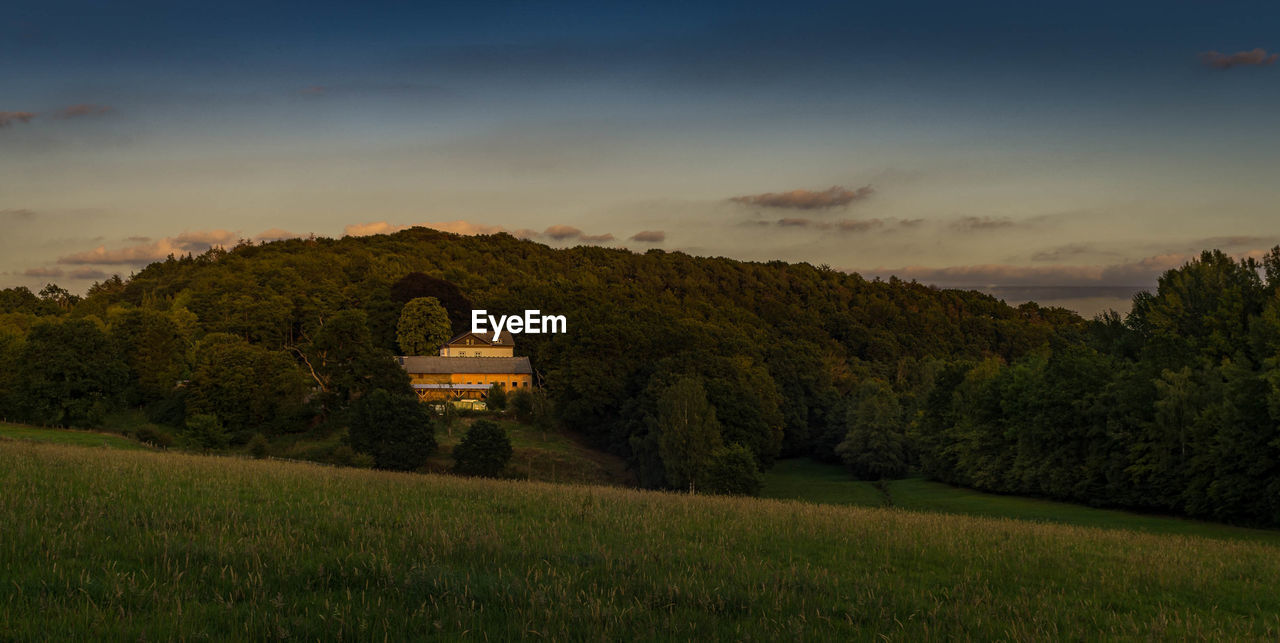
(801,479)
(69,436)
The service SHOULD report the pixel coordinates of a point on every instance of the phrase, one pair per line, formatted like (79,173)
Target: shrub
(395,429)
(258,446)
(733,471)
(521,403)
(154,436)
(484,450)
(497,398)
(207,431)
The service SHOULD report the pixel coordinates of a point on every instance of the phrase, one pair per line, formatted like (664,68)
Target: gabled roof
(504,338)
(478,365)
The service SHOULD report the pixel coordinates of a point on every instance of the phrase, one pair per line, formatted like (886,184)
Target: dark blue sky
(1082,144)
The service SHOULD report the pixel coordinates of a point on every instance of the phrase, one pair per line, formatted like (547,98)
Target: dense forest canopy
(1151,410)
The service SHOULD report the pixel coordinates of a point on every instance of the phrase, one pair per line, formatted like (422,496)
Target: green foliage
(207,432)
(688,433)
(258,446)
(483,451)
(153,435)
(733,471)
(416,285)
(875,445)
(424,326)
(496,399)
(71,374)
(521,402)
(1170,410)
(345,362)
(394,429)
(250,388)
(154,347)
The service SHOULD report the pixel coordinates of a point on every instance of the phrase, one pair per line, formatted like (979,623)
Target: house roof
(478,365)
(504,338)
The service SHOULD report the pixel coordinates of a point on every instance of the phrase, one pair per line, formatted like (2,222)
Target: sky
(1066,153)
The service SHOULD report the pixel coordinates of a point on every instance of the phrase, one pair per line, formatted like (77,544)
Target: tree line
(289,336)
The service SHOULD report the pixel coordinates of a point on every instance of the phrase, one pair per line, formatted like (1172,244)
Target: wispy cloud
(1061,253)
(275,234)
(18,213)
(554,233)
(842,225)
(87,273)
(649,236)
(1252,58)
(562,232)
(977,224)
(42,272)
(83,109)
(9,118)
(832,197)
(1139,273)
(144,253)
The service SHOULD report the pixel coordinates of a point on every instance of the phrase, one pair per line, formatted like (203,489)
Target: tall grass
(151,545)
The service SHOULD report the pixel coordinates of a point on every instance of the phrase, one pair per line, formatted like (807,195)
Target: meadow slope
(122,544)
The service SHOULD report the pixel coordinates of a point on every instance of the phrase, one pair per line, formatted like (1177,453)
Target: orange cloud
(832,197)
(144,253)
(649,236)
(562,232)
(555,232)
(276,234)
(1252,58)
(9,118)
(367,229)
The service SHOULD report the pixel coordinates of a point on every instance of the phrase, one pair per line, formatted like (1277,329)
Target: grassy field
(801,479)
(135,544)
(68,436)
(548,456)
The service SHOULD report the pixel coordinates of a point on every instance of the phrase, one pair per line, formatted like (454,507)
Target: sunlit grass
(115,544)
(68,436)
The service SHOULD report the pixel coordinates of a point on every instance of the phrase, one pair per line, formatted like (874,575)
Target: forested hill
(779,346)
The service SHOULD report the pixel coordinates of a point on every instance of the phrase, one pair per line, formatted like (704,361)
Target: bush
(484,450)
(394,429)
(258,446)
(497,398)
(207,432)
(733,471)
(154,436)
(521,403)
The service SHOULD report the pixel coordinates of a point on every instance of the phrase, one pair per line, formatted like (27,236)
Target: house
(467,366)
(479,345)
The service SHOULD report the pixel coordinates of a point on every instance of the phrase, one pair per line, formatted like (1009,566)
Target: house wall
(508,381)
(476,350)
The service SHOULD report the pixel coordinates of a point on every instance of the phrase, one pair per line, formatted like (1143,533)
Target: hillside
(780,346)
(120,544)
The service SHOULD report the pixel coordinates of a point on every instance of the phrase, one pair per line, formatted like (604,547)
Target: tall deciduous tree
(875,446)
(688,432)
(250,389)
(71,373)
(345,363)
(424,326)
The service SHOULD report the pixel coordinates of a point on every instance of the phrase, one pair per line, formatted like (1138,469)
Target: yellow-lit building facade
(468,365)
